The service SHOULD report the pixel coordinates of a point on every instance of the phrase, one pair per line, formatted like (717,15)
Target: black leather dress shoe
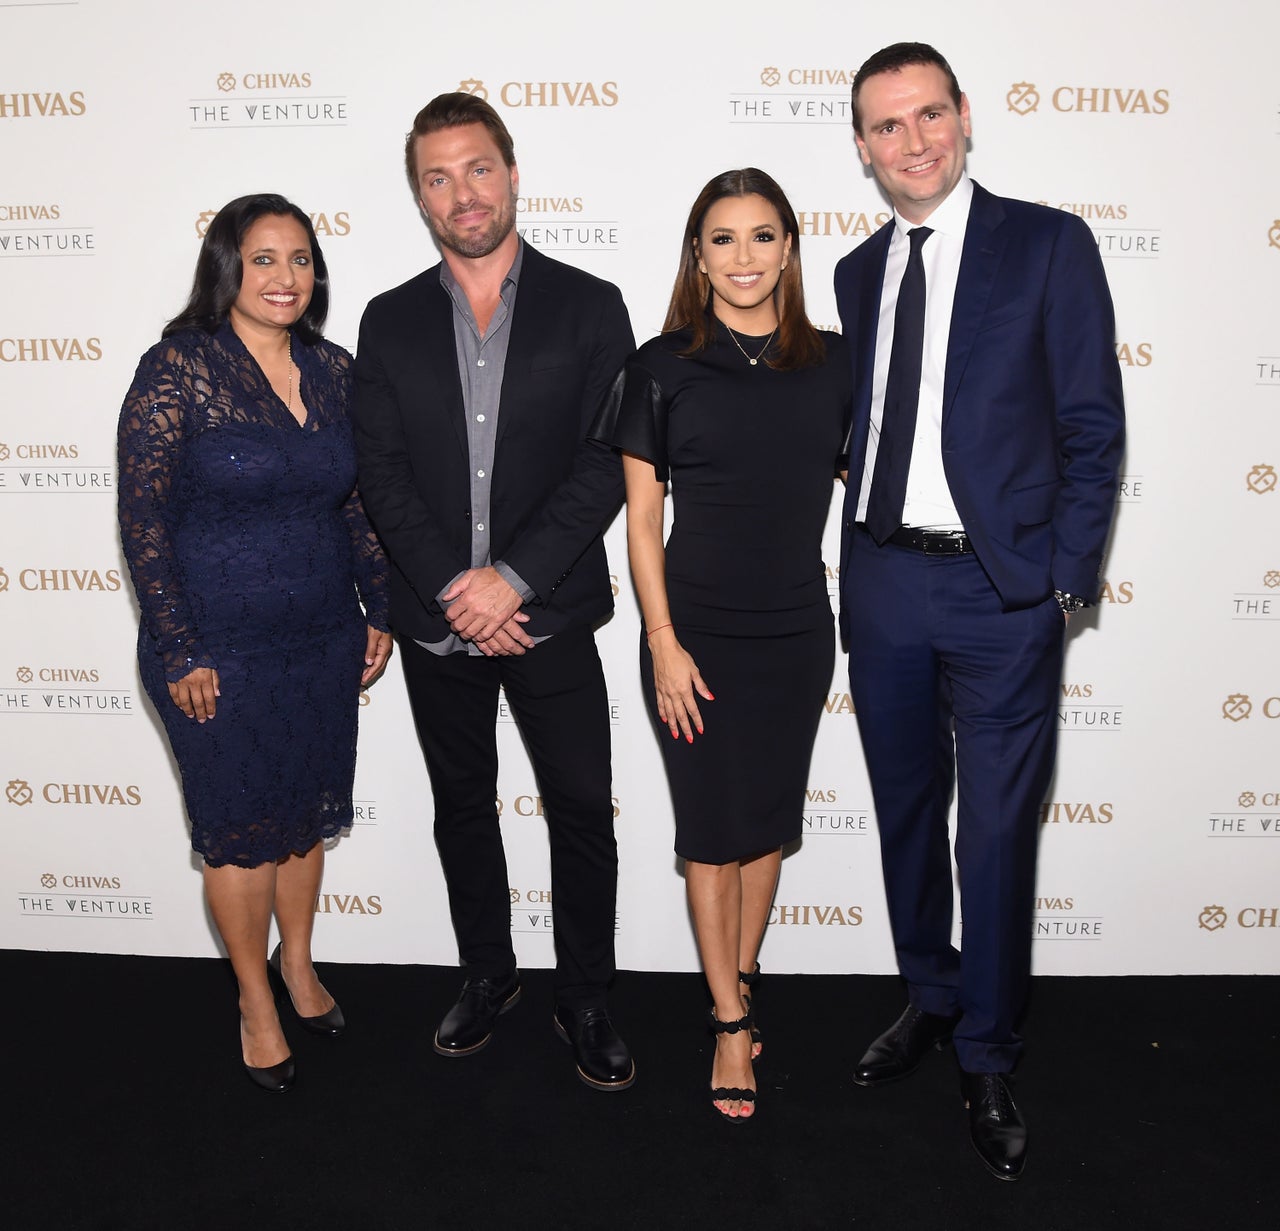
(900,1049)
(468,1026)
(604,1062)
(996,1126)
(331,1023)
(275,1078)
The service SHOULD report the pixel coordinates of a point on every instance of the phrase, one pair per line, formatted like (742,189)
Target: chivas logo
(770,76)
(1237,707)
(1134,355)
(348,904)
(25,106)
(1023,98)
(1273,235)
(1271,579)
(18,792)
(1212,918)
(337,223)
(1247,799)
(227,82)
(49,350)
(473,85)
(1260,480)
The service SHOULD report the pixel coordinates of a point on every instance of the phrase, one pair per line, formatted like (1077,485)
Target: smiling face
(743,248)
(277,277)
(467,193)
(913,136)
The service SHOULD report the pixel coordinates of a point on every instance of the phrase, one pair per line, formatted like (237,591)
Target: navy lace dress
(247,542)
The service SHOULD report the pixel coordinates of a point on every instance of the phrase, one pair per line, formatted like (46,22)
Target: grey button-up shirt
(482,361)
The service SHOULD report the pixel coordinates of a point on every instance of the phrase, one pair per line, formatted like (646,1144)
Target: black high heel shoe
(749,981)
(275,1078)
(720,1093)
(331,1023)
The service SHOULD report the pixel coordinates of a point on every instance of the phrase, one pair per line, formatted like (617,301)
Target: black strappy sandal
(745,1022)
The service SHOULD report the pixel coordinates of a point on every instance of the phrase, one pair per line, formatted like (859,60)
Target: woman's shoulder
(181,349)
(835,343)
(662,353)
(330,355)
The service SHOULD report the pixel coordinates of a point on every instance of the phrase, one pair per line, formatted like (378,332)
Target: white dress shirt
(928,502)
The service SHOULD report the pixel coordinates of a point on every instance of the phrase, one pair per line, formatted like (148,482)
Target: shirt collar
(949,218)
(509,283)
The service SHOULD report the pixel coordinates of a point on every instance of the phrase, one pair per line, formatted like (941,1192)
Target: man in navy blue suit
(988,432)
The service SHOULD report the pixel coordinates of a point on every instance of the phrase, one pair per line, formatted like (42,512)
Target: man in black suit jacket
(476,382)
(982,482)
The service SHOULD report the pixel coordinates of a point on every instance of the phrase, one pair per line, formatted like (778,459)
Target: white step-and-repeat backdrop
(125,124)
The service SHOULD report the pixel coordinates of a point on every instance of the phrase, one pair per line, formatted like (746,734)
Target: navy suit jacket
(553,490)
(1032,410)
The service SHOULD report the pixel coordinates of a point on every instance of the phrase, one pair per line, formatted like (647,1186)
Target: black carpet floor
(1152,1103)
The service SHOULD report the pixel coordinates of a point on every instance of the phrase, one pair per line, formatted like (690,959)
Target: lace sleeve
(150,443)
(372,579)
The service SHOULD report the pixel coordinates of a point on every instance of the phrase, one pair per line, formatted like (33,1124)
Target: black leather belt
(932,542)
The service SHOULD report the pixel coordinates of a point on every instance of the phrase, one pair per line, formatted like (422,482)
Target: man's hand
(480,603)
(509,639)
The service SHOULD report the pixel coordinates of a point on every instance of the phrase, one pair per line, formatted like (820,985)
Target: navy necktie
(901,398)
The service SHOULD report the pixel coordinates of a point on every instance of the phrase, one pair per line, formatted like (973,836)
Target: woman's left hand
(376,656)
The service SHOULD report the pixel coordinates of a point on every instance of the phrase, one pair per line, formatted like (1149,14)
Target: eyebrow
(759,226)
(474,162)
(920,110)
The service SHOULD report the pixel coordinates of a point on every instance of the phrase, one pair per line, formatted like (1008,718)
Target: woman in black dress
(745,407)
(246,543)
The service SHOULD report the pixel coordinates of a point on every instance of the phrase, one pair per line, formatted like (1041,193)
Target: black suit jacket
(553,491)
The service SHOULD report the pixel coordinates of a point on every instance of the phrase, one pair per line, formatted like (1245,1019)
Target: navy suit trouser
(953,693)
(557,693)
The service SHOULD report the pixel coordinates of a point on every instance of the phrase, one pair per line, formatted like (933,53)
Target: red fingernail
(710,697)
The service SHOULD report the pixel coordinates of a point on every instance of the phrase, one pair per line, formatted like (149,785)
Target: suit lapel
(862,331)
(434,351)
(984,244)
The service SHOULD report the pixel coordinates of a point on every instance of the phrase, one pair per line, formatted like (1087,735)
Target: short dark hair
(799,344)
(893,59)
(453,110)
(219,268)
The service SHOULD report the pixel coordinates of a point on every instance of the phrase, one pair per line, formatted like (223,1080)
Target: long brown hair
(798,343)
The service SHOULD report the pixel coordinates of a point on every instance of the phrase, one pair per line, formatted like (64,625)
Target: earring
(702,269)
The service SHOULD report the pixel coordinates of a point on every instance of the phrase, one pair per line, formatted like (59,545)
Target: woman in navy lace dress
(251,558)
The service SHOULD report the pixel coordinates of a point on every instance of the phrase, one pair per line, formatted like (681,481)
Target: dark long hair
(219,268)
(798,343)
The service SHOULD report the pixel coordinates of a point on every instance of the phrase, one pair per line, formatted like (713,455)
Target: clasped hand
(485,609)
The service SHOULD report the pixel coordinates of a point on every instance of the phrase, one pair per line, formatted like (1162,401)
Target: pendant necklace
(289,403)
(734,338)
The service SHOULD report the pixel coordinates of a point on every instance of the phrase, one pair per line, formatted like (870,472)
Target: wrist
(1070,603)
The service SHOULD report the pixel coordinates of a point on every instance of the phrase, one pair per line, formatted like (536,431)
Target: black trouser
(557,693)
